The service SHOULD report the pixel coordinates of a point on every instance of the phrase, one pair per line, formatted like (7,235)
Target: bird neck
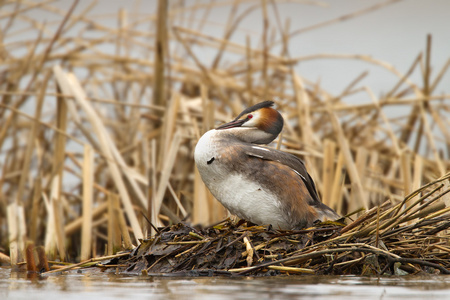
(251,135)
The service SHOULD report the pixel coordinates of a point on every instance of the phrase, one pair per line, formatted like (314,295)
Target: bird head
(258,124)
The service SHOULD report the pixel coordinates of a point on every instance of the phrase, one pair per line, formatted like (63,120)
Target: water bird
(254,182)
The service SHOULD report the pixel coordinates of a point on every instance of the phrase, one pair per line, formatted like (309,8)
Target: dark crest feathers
(260,105)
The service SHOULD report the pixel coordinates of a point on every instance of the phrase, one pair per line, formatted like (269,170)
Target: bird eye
(249,116)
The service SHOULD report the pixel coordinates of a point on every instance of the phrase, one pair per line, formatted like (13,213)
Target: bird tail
(327,214)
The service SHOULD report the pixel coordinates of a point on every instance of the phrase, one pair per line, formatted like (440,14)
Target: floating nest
(410,237)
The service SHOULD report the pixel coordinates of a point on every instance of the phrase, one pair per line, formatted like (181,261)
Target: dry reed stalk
(230,28)
(265,49)
(91,260)
(431,141)
(338,185)
(394,139)
(159,95)
(152,182)
(404,78)
(165,173)
(58,221)
(440,123)
(357,189)
(361,159)
(114,237)
(418,172)
(201,208)
(60,140)
(88,179)
(70,87)
(50,233)
(405,159)
(177,200)
(118,215)
(30,142)
(210,79)
(343,17)
(304,114)
(167,133)
(15,233)
(37,190)
(328,170)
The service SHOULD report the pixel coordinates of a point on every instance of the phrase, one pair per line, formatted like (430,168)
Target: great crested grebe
(258,184)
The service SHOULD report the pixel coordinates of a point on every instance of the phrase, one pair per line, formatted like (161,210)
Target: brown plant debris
(381,241)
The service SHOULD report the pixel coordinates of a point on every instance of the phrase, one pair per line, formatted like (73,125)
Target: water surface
(96,286)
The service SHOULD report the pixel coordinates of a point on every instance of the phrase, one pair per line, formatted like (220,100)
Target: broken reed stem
(91,260)
(31,264)
(249,251)
(43,262)
(278,268)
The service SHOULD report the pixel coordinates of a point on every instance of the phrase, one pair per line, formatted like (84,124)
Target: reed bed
(99,123)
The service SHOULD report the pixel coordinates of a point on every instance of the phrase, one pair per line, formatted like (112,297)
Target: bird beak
(232,124)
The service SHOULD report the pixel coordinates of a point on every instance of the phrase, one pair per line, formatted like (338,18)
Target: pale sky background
(395,34)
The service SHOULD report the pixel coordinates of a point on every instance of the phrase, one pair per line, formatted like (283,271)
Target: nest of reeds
(387,239)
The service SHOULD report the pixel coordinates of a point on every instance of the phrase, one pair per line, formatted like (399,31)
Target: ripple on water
(106,286)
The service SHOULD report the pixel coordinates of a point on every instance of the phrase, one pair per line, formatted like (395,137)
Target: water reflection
(108,286)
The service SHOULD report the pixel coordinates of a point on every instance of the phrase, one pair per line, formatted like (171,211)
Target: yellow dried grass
(143,148)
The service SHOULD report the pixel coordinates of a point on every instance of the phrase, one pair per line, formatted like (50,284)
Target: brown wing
(293,162)
(299,168)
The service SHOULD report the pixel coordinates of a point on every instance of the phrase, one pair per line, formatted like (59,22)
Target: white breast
(240,195)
